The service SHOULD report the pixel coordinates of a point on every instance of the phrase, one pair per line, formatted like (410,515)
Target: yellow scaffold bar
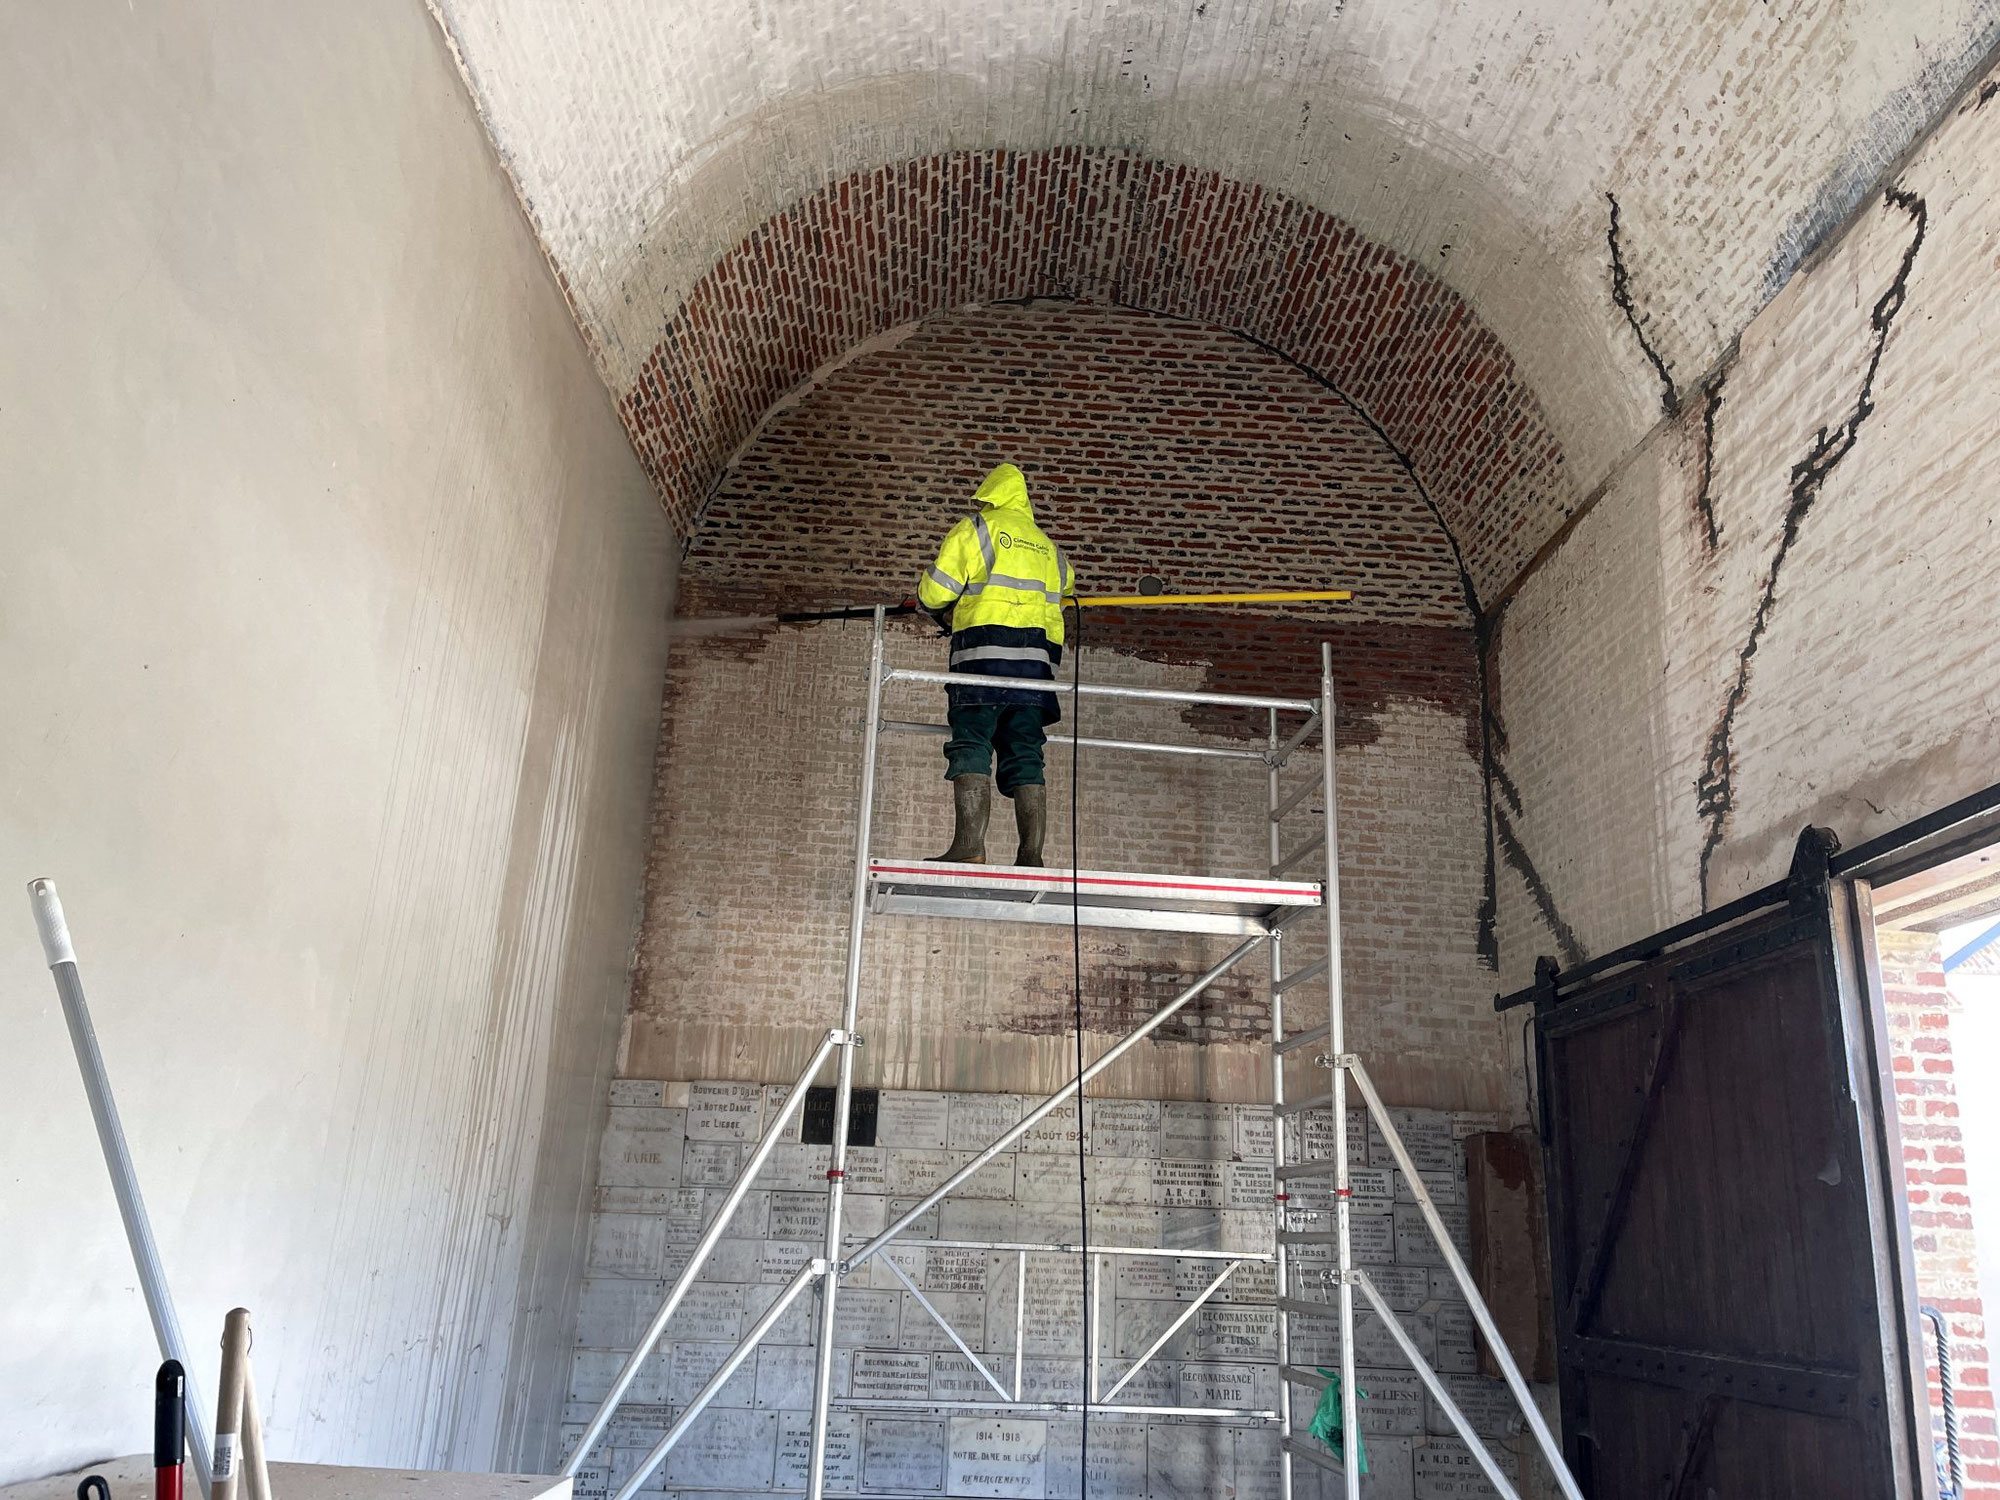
(1305,596)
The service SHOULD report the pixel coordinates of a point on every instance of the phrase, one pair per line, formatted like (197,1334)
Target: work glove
(942,619)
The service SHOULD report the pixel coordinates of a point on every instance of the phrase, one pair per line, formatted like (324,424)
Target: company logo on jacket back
(1009,540)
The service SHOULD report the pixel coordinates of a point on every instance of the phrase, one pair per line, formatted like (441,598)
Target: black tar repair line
(1501,839)
(1704,495)
(1715,791)
(1621,293)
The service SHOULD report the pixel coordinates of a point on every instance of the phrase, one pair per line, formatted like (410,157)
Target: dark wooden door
(1719,1322)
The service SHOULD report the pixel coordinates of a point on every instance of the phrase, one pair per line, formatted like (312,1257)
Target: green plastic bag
(1326,1420)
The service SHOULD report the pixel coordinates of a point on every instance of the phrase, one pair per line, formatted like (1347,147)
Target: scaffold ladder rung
(1292,1043)
(1316,1101)
(1324,1166)
(1306,975)
(1311,1453)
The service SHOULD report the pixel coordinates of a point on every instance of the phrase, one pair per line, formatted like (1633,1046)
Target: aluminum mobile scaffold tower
(1259,911)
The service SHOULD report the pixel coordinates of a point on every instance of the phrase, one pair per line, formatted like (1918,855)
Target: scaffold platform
(1230,905)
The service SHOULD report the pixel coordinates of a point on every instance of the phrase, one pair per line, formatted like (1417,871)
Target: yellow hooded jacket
(1004,582)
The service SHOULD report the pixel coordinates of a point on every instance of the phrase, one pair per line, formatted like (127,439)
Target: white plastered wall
(1870,695)
(331,605)
(1478,140)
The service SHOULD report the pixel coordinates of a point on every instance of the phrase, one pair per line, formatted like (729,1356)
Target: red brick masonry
(1920,1012)
(906,242)
(1151,444)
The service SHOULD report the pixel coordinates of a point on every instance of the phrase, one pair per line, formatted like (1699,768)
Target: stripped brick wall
(1785,609)
(899,244)
(1920,1010)
(739,969)
(1152,445)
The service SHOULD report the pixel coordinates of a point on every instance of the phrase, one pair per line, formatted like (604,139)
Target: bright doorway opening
(1938,945)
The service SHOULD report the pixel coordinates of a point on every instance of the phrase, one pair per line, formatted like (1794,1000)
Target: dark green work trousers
(980,731)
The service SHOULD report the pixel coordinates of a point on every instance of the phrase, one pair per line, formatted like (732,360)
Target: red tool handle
(169,1430)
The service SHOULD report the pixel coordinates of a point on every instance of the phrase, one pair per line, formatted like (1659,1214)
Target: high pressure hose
(1076,994)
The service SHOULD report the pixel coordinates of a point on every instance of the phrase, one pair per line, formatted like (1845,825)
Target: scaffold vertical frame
(1260,913)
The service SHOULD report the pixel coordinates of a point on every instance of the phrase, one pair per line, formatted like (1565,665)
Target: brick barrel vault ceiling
(1480,142)
(901,244)
(1151,444)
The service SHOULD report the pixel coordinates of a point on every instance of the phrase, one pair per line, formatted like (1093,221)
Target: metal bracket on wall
(1806,884)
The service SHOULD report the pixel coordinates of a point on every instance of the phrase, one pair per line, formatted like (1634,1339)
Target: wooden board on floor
(132,1478)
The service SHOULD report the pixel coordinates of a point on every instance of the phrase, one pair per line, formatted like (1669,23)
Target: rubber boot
(971,802)
(1031,818)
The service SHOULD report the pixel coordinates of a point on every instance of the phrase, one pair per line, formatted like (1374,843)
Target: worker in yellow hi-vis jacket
(998,585)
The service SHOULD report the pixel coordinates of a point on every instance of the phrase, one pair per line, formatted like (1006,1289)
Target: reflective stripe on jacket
(1004,582)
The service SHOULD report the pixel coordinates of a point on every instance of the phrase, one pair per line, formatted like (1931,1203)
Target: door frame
(1865,1034)
(1961,828)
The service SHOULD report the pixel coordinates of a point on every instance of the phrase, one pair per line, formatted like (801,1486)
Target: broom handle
(61,955)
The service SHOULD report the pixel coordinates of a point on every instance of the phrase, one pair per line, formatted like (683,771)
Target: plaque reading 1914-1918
(992,1455)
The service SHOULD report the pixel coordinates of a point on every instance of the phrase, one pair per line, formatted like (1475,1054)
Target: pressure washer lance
(169,1430)
(697,626)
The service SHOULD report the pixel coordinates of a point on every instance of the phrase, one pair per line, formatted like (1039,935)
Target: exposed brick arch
(1151,445)
(903,243)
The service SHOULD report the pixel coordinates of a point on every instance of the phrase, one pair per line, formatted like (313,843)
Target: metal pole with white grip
(61,957)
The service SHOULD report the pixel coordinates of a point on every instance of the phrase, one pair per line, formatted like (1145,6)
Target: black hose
(1076,993)
(863,612)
